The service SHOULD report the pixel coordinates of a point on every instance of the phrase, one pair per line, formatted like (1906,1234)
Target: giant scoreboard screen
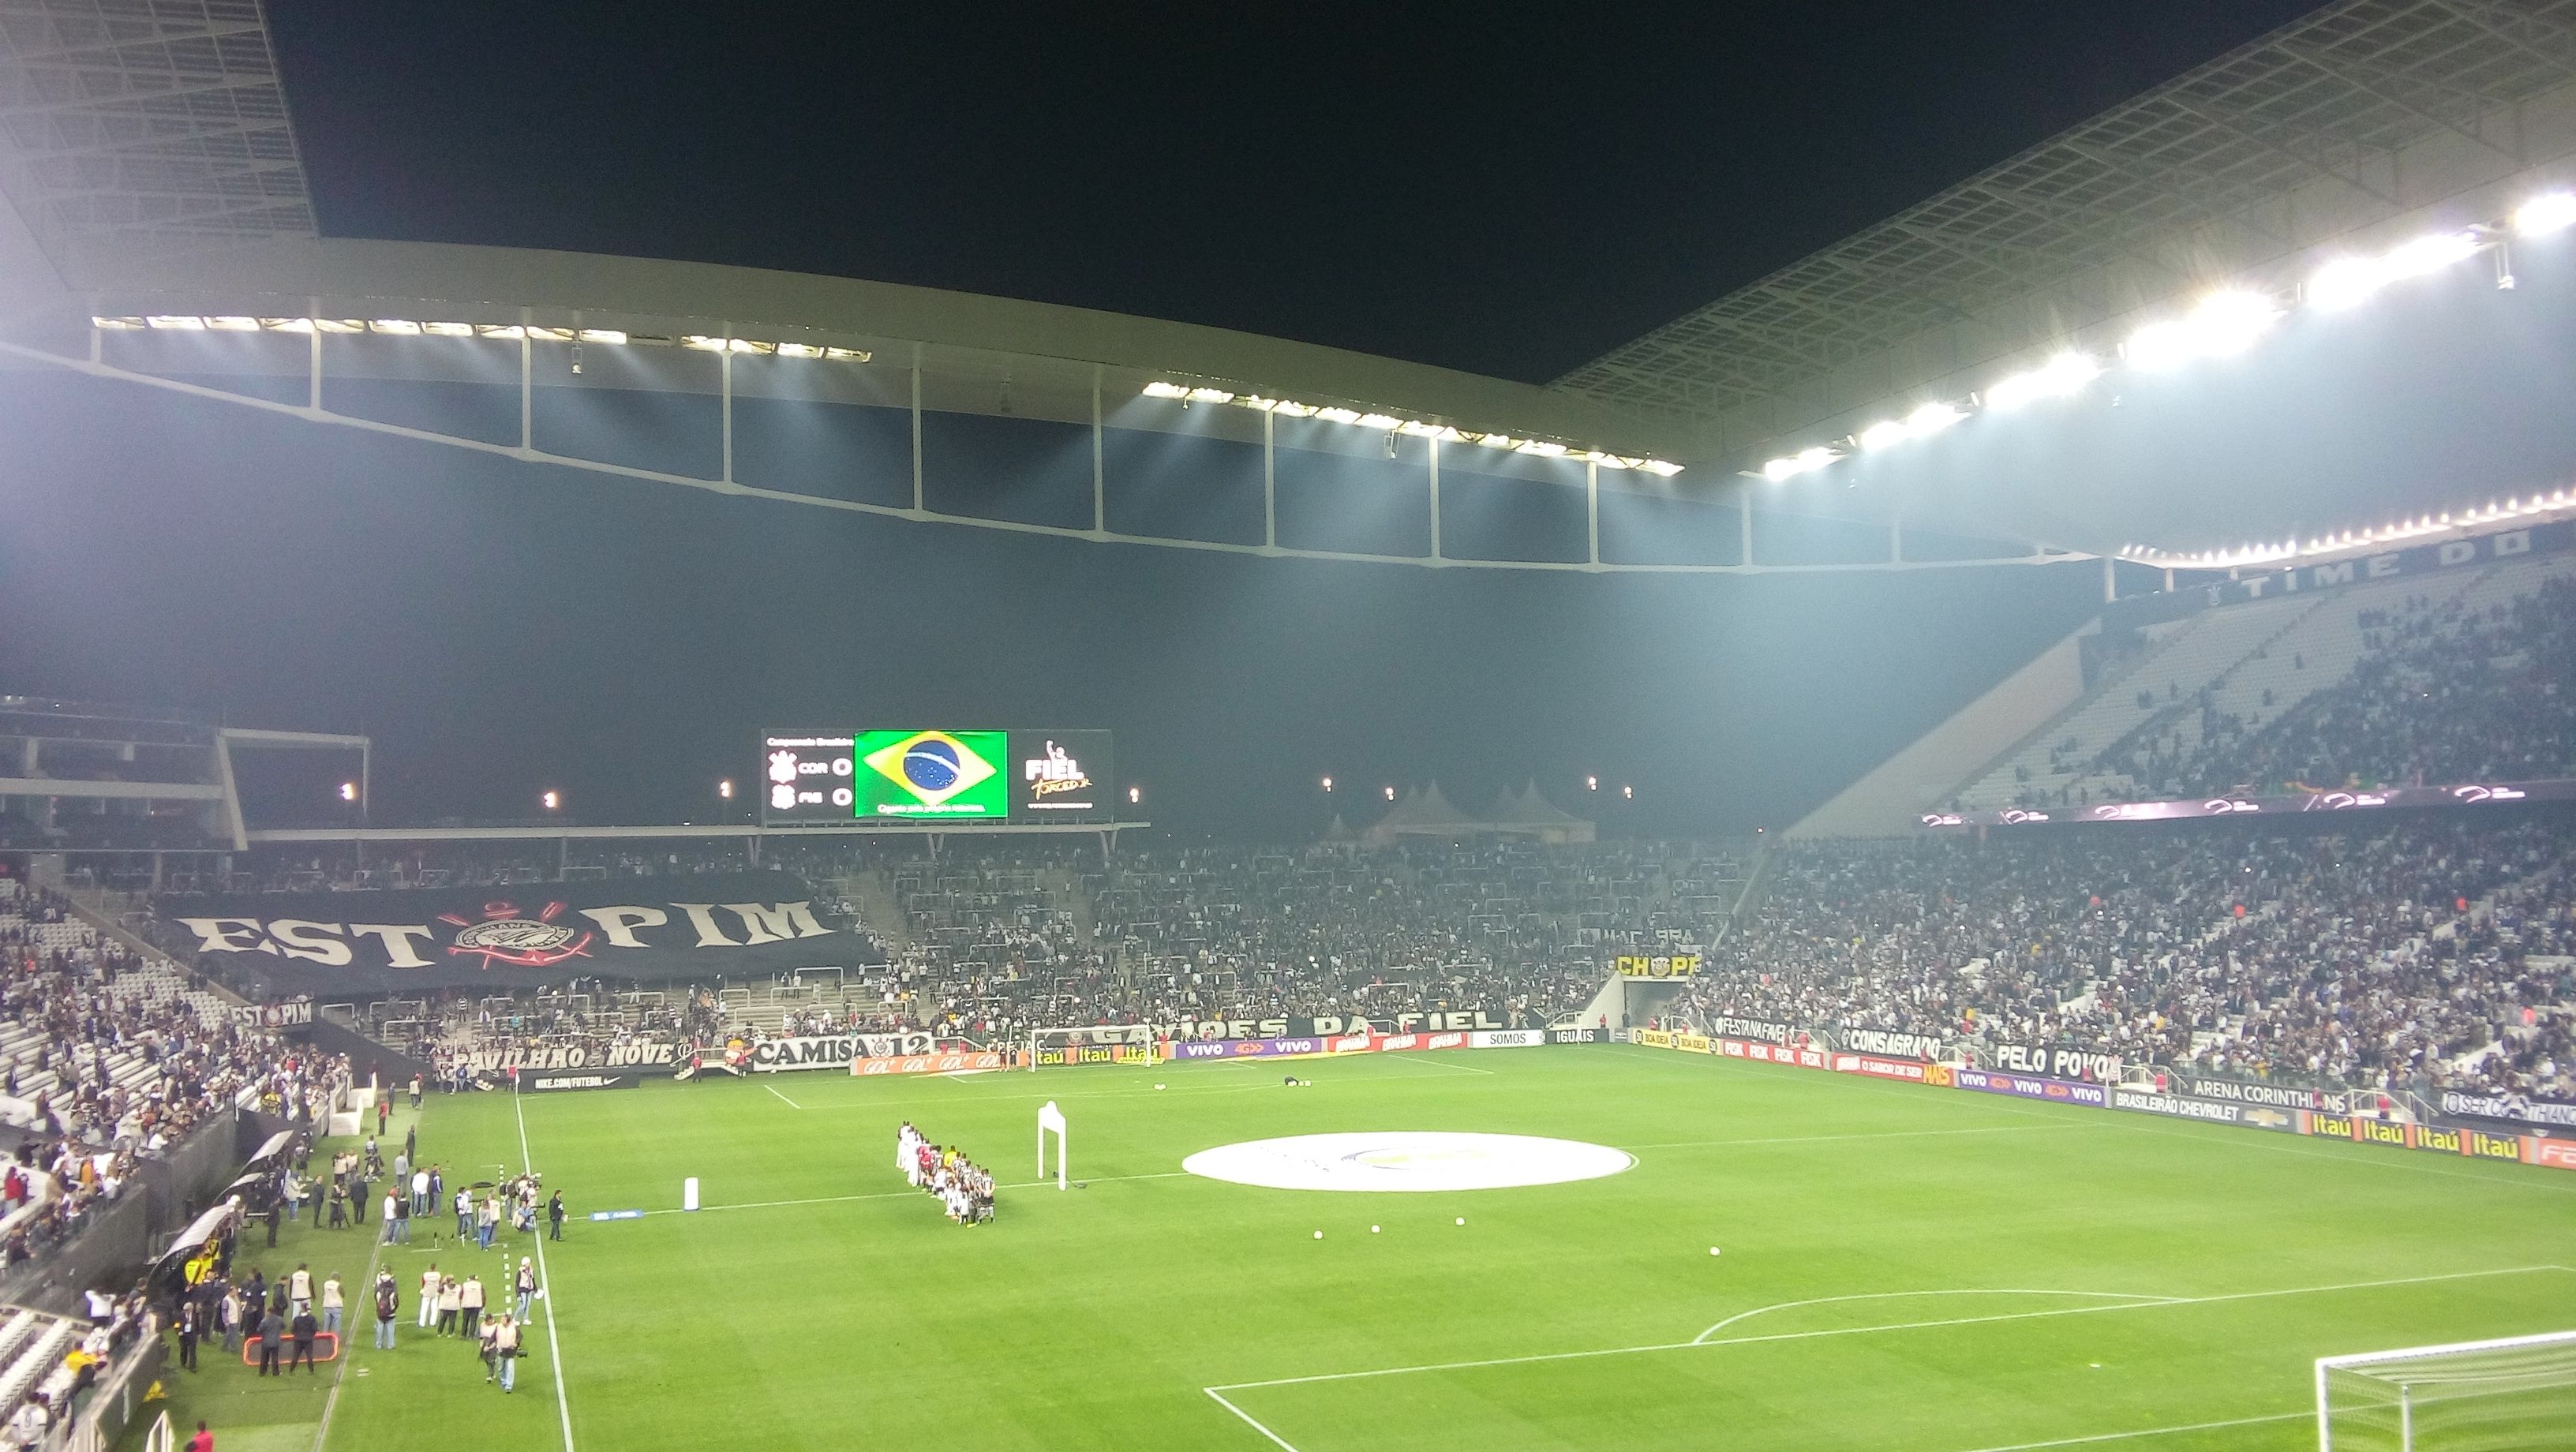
(814,778)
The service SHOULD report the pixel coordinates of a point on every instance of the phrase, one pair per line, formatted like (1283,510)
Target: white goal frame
(1143,1052)
(2358,1362)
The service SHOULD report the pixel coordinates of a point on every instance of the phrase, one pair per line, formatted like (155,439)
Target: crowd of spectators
(2444,691)
(2408,954)
(106,1059)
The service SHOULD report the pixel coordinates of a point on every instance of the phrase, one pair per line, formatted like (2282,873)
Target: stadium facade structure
(160,232)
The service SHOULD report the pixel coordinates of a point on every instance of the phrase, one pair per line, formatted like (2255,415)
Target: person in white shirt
(469,1302)
(27,1428)
(420,1192)
(332,1305)
(429,1283)
(299,1290)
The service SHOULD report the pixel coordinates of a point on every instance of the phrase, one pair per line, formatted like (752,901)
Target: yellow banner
(1676,965)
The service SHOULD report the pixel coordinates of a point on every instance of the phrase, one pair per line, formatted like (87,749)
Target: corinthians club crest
(504,937)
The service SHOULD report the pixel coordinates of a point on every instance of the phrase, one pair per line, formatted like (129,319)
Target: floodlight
(2345,281)
(1256,401)
(339,325)
(2224,323)
(2059,376)
(505,332)
(1338,415)
(1660,468)
(536,334)
(602,335)
(448,330)
(703,342)
(1540,447)
(1442,432)
(233,325)
(116,324)
(1159,389)
(1296,410)
(1210,395)
(1499,441)
(1380,421)
(1805,461)
(397,327)
(1881,434)
(2549,212)
(799,350)
(552,800)
(179,324)
(348,791)
(287,325)
(2430,253)
(854,355)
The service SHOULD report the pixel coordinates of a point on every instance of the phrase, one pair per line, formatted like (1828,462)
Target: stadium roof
(144,126)
(2362,112)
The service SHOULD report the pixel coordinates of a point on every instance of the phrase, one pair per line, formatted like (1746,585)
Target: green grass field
(1902,1267)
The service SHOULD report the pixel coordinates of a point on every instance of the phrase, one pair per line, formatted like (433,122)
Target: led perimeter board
(817,778)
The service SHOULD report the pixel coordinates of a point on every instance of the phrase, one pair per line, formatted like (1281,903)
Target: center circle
(1407,1160)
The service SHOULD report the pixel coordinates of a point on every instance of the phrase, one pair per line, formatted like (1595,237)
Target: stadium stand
(2415,954)
(2398,680)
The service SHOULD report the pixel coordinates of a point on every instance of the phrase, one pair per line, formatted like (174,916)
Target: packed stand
(2415,955)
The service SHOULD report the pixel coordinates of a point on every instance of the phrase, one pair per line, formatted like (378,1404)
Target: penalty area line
(2150,1432)
(1697,1344)
(1248,1419)
(783,1099)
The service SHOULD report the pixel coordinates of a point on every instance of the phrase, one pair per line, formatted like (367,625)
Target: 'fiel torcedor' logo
(930,766)
(505,937)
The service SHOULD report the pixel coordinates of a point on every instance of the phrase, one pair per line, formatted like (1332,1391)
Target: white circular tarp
(1407,1160)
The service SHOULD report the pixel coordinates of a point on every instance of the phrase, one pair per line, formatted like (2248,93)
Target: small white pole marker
(689,1193)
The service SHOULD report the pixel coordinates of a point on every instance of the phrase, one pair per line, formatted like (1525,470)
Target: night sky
(1458,188)
(1460,185)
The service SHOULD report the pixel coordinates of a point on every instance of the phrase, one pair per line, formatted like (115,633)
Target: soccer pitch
(1902,1267)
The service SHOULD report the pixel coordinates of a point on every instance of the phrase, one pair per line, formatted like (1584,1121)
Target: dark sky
(1459,188)
(1509,190)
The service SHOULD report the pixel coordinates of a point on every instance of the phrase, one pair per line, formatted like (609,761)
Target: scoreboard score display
(817,778)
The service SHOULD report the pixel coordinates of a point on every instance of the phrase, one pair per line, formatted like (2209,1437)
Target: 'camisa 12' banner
(524,935)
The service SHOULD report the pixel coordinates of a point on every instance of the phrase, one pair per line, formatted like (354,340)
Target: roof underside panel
(2180,182)
(145,125)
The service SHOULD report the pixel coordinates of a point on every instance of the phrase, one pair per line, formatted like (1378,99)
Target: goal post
(1055,1048)
(2464,1396)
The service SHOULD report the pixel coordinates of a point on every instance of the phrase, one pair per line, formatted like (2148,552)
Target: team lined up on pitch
(964,1187)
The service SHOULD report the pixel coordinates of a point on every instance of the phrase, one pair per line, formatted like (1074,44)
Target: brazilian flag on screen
(943,775)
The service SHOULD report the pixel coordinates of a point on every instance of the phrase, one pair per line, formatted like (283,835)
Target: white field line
(1871,1330)
(1904,1295)
(546,1283)
(1425,1057)
(783,1099)
(1248,1419)
(2149,1432)
(348,1352)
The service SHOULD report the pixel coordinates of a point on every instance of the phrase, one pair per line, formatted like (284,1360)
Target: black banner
(525,935)
(2423,559)
(1759,1030)
(2516,1110)
(1579,1036)
(2214,1111)
(1887,1044)
(659,1055)
(2054,1063)
(1319,1026)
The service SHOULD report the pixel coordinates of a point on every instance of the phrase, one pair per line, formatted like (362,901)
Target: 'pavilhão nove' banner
(522,935)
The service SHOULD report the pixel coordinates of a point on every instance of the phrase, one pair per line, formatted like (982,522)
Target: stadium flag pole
(1051,1118)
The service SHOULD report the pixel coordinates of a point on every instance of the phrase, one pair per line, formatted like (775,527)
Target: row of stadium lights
(2222,324)
(498,332)
(1390,425)
(513,332)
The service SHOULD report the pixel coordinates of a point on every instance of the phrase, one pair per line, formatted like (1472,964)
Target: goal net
(2517,1392)
(1054,1048)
